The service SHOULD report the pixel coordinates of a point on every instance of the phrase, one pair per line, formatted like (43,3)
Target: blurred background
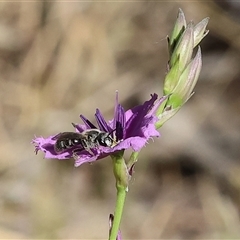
(61,59)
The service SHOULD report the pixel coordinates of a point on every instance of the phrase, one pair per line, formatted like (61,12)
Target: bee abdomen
(66,144)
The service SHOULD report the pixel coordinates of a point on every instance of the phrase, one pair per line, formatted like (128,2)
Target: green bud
(171,79)
(200,31)
(162,106)
(178,29)
(187,81)
(166,115)
(184,48)
(183,71)
(175,100)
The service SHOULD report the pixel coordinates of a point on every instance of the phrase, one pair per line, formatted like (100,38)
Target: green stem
(133,159)
(122,177)
(121,195)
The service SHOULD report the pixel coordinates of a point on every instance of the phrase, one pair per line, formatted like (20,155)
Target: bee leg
(88,149)
(78,150)
(75,151)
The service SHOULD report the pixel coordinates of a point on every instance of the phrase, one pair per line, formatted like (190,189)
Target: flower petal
(85,158)
(46,145)
(138,117)
(87,122)
(120,122)
(103,126)
(136,143)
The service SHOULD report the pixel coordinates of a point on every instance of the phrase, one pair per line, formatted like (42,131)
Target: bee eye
(108,141)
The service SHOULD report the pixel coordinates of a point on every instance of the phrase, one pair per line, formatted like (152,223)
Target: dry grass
(60,59)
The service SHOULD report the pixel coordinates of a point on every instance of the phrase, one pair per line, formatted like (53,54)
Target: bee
(88,139)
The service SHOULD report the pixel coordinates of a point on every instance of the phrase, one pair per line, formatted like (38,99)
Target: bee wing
(68,135)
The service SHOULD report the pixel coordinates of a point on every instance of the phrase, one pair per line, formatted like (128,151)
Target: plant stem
(121,195)
(133,159)
(122,177)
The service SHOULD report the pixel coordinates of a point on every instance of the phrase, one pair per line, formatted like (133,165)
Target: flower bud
(171,78)
(184,48)
(186,82)
(178,29)
(183,71)
(200,31)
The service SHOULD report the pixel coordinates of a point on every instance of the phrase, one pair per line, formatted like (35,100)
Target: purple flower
(128,129)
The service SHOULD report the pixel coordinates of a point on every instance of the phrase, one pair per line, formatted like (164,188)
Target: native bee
(90,138)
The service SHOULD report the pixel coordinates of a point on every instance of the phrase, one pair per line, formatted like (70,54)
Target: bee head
(105,139)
